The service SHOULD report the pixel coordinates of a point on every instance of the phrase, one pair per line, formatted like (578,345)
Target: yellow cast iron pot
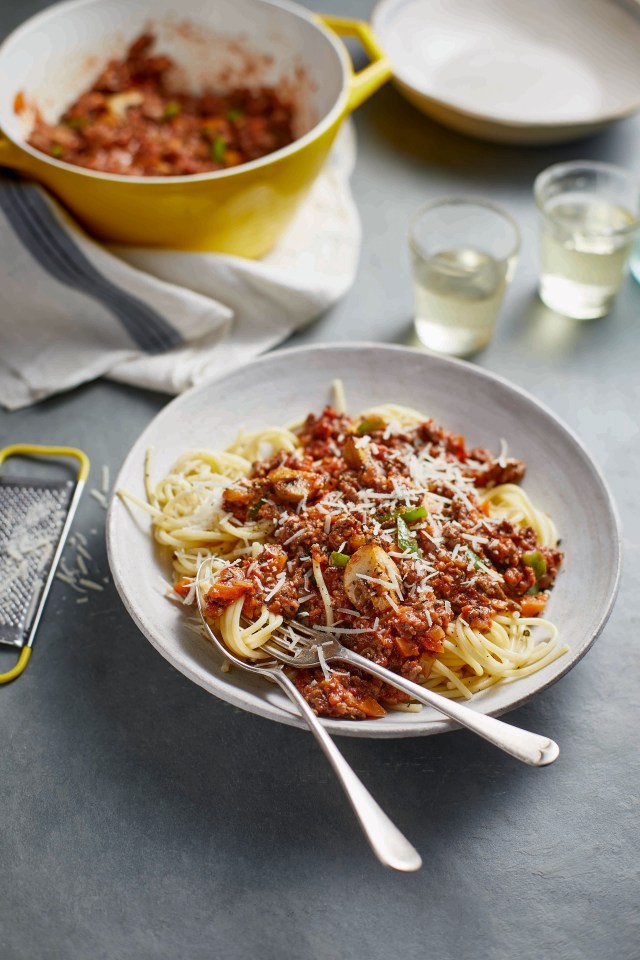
(56,55)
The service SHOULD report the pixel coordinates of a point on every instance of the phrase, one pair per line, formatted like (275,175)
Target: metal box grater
(35,518)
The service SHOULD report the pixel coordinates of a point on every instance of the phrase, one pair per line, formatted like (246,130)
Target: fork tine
(290,646)
(305,631)
(297,645)
(291,635)
(302,658)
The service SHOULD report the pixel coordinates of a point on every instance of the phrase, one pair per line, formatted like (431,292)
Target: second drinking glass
(588,222)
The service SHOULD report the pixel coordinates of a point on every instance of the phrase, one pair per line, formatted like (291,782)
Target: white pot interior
(56,55)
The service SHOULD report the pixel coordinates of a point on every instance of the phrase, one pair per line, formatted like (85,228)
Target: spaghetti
(420,554)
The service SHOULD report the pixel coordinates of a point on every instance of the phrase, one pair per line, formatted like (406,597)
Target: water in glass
(584,250)
(457,296)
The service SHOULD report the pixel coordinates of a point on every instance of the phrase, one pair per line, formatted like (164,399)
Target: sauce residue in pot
(132,122)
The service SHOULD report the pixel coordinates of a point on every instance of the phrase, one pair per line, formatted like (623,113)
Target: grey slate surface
(141,819)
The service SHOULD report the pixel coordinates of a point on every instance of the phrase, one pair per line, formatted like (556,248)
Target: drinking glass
(463,253)
(588,223)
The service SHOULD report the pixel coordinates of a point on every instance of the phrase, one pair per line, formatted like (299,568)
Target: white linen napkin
(72,310)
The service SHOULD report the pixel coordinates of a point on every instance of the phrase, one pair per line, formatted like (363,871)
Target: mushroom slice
(119,103)
(289,485)
(370,577)
(356,456)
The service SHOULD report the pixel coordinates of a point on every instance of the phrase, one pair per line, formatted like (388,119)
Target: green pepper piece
(234,114)
(404,538)
(172,109)
(532,591)
(417,513)
(338,559)
(477,561)
(369,424)
(536,561)
(409,516)
(76,123)
(218,149)
(57,150)
(254,509)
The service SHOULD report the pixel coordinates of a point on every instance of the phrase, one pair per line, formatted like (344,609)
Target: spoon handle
(388,844)
(529,747)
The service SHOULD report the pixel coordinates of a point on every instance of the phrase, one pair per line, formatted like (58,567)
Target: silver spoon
(388,844)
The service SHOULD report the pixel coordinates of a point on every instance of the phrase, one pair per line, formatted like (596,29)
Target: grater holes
(32,516)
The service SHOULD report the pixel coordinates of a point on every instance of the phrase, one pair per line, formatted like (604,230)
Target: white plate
(286,385)
(513,70)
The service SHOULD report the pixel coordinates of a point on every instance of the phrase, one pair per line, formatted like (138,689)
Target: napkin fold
(72,310)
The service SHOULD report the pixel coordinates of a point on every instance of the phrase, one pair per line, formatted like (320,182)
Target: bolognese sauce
(133,122)
(384,536)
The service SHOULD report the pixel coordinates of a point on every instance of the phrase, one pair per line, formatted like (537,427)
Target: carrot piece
(228,591)
(371,707)
(484,506)
(533,606)
(406,647)
(182,587)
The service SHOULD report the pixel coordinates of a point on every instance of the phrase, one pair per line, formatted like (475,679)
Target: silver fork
(301,651)
(389,845)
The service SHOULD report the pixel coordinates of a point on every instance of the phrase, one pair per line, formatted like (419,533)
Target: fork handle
(529,747)
(389,845)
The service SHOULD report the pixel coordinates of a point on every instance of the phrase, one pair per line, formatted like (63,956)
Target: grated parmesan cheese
(294,536)
(90,584)
(323,662)
(280,582)
(102,500)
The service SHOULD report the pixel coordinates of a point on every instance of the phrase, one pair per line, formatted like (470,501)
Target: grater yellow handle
(23,660)
(33,449)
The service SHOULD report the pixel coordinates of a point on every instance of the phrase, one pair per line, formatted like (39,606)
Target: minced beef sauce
(133,122)
(342,491)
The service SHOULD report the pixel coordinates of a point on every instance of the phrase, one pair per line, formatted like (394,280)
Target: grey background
(141,818)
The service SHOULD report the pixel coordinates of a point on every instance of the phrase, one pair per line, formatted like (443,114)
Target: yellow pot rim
(339,110)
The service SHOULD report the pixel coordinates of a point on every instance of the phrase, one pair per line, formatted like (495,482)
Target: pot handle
(364,83)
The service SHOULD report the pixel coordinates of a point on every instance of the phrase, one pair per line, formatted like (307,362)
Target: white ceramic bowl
(516,71)
(285,386)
